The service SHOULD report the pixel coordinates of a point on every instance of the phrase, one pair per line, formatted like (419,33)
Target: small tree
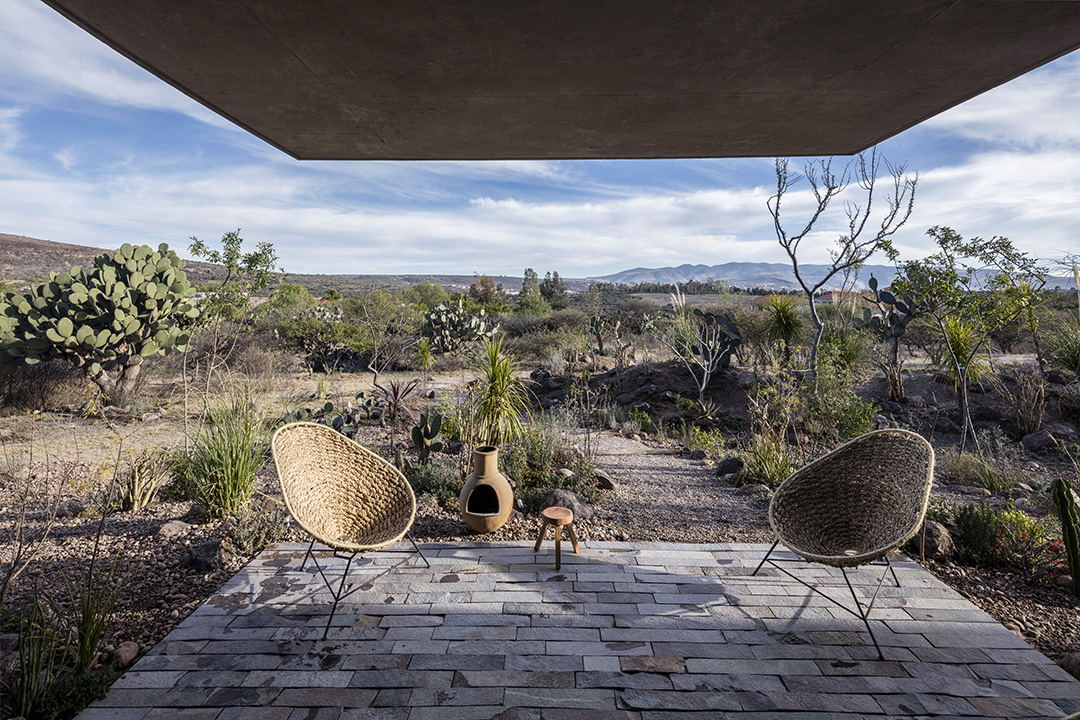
(861,240)
(530,284)
(106,320)
(984,284)
(554,291)
(486,293)
(703,341)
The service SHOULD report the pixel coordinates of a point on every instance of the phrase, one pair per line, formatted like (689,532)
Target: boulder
(565,472)
(938,544)
(730,466)
(945,425)
(755,489)
(604,481)
(173,529)
(698,454)
(205,557)
(568,499)
(892,408)
(1071,664)
(1064,581)
(1040,440)
(1058,377)
(70,509)
(125,654)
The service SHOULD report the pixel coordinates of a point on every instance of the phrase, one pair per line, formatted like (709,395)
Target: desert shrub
(710,441)
(533,493)
(183,484)
(228,453)
(1010,539)
(1063,345)
(784,322)
(976,530)
(253,528)
(442,481)
(140,477)
(50,385)
(848,348)
(833,402)
(642,418)
(767,461)
(972,469)
(1026,399)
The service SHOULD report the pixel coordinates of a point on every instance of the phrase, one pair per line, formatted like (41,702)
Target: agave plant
(395,409)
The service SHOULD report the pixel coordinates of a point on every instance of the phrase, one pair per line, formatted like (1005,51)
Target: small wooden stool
(557,517)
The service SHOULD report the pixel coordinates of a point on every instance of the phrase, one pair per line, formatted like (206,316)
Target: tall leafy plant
(229,451)
(502,401)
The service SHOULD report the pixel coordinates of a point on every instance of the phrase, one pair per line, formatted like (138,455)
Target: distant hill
(25,260)
(772,276)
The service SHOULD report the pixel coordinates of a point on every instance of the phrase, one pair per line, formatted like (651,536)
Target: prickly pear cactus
(424,436)
(105,320)
(448,326)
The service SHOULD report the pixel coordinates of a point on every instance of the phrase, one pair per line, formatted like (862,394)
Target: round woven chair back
(858,502)
(344,495)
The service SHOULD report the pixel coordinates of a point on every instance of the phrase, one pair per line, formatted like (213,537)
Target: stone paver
(623,630)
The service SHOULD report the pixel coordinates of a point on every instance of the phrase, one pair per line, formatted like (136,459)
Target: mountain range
(27,260)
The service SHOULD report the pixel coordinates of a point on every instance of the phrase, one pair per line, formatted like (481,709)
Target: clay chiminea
(487,499)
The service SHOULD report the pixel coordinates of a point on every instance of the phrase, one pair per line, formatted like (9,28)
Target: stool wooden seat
(556,517)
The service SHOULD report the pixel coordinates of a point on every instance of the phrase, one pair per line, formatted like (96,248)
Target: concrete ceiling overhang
(477,79)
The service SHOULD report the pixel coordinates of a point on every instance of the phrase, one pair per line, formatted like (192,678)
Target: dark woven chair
(854,506)
(343,495)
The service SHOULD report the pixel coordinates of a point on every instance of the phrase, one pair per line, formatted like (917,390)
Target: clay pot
(487,499)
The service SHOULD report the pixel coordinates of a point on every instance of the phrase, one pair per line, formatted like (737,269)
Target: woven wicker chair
(854,506)
(343,495)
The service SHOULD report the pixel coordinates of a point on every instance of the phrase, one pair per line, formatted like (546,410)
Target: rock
(643,407)
(565,472)
(1071,664)
(730,466)
(1024,488)
(755,489)
(730,479)
(453,448)
(698,454)
(150,416)
(938,545)
(550,385)
(515,516)
(892,408)
(1062,431)
(881,422)
(568,499)
(604,481)
(173,529)
(125,654)
(1064,581)
(945,425)
(1058,377)
(1040,440)
(205,557)
(431,395)
(70,509)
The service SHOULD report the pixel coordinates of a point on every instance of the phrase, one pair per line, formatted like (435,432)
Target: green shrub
(642,418)
(833,401)
(977,528)
(139,480)
(767,461)
(229,451)
(441,481)
(1005,538)
(533,493)
(973,470)
(1063,346)
(252,529)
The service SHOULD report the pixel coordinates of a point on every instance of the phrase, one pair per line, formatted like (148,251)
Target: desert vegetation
(138,405)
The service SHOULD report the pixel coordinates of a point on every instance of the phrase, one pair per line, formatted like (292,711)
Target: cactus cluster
(105,320)
(717,338)
(425,434)
(890,322)
(345,420)
(448,326)
(1068,506)
(598,326)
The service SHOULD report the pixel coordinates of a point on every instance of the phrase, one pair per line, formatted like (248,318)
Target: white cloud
(47,58)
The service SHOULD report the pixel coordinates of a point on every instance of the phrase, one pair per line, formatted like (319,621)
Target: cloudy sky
(96,151)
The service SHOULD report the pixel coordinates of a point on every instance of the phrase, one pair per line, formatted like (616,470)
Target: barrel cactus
(105,320)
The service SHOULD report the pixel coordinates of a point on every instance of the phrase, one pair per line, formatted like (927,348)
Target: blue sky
(96,151)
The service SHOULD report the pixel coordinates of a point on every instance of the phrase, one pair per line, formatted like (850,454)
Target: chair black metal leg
(765,558)
(418,550)
(864,615)
(338,595)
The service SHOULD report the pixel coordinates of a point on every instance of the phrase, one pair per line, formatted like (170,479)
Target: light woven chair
(343,495)
(854,506)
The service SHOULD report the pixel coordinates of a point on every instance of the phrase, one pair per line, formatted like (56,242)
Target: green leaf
(150,348)
(65,327)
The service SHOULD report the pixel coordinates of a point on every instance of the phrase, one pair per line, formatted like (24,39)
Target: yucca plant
(1063,346)
(501,399)
(785,322)
(962,337)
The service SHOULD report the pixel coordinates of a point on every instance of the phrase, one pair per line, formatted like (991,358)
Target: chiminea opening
(483,501)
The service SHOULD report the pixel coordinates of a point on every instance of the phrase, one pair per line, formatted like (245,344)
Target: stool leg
(558,549)
(540,537)
(573,538)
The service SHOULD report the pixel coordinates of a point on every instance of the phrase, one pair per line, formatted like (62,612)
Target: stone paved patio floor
(623,630)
